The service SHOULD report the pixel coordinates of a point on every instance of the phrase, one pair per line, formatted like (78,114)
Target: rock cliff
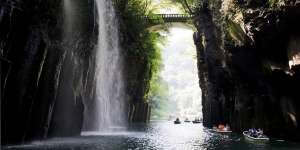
(45,75)
(248,60)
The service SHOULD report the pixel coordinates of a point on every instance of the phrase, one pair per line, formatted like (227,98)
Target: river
(157,135)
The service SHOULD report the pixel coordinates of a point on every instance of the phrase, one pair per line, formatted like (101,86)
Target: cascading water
(107,111)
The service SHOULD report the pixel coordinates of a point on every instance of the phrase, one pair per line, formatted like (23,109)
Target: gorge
(74,68)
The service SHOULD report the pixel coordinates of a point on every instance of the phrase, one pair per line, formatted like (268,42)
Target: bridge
(168,18)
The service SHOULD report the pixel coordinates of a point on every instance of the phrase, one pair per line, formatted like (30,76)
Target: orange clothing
(220,126)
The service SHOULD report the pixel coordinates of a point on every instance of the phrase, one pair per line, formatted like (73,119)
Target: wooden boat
(187,120)
(260,138)
(177,121)
(221,131)
(197,121)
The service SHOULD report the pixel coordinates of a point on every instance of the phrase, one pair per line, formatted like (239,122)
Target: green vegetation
(138,40)
(142,52)
(190,6)
(158,96)
(275,3)
(236,32)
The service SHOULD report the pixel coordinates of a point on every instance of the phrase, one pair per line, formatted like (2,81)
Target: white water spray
(107,111)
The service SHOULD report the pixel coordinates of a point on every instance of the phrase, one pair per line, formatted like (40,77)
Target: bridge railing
(169,17)
(175,15)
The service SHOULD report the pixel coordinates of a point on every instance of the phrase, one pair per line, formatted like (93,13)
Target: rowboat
(197,120)
(187,120)
(259,138)
(177,121)
(222,131)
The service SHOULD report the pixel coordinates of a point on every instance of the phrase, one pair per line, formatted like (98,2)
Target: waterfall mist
(107,112)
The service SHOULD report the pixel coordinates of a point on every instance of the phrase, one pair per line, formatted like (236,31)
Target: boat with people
(197,120)
(222,129)
(187,120)
(255,135)
(177,121)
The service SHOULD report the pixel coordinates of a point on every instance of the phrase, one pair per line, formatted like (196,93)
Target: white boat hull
(222,131)
(258,139)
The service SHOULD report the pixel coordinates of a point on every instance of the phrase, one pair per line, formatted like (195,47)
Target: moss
(236,32)
(142,55)
(276,3)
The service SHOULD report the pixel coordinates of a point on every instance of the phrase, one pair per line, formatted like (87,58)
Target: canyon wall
(48,61)
(248,60)
(46,73)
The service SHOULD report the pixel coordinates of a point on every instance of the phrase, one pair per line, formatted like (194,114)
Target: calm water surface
(156,135)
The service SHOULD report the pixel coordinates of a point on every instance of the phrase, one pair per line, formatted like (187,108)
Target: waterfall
(107,110)
(69,14)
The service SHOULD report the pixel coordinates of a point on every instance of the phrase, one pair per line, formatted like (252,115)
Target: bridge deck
(169,17)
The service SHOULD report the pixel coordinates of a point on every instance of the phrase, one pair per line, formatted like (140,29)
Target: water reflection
(155,136)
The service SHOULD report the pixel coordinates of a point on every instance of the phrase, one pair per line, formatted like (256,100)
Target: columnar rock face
(254,83)
(139,112)
(137,85)
(48,68)
(45,76)
(137,70)
(210,60)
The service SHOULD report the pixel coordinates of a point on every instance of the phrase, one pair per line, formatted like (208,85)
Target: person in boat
(256,133)
(221,127)
(252,132)
(177,121)
(227,128)
(260,131)
(215,127)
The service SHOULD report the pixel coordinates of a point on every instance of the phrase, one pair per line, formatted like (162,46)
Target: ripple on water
(154,136)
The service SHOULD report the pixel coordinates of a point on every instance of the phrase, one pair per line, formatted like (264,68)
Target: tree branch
(188,7)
